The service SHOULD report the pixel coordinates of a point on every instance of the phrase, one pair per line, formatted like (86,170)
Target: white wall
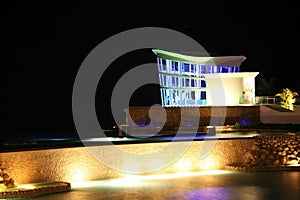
(224,91)
(249,88)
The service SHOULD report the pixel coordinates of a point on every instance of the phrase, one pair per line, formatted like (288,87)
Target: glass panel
(164,80)
(192,83)
(193,69)
(203,95)
(193,95)
(182,83)
(202,69)
(175,67)
(164,69)
(173,82)
(160,80)
(187,82)
(186,67)
(174,97)
(208,69)
(203,84)
(224,69)
(229,69)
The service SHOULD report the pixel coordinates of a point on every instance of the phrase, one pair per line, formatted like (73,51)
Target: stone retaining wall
(218,115)
(77,164)
(274,150)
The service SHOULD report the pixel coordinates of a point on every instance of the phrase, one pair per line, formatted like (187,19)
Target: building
(190,81)
(197,92)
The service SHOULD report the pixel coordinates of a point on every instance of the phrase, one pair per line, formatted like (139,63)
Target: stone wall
(230,115)
(78,164)
(274,150)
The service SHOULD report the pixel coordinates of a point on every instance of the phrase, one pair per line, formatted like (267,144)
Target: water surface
(224,185)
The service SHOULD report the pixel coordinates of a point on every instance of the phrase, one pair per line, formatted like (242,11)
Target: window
(187,82)
(208,69)
(163,67)
(202,68)
(203,95)
(186,68)
(193,95)
(182,82)
(192,83)
(224,69)
(203,84)
(193,69)
(164,80)
(173,82)
(175,67)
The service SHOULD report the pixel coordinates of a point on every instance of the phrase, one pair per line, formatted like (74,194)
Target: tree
(288,98)
(265,87)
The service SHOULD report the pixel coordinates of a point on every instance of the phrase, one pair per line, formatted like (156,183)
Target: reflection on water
(224,193)
(224,185)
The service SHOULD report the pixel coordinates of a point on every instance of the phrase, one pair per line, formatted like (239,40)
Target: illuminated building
(190,81)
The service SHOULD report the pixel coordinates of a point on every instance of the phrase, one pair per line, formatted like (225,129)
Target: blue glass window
(173,82)
(186,67)
(192,83)
(192,68)
(175,66)
(203,95)
(203,84)
(187,82)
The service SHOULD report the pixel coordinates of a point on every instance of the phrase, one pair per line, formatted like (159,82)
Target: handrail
(266,100)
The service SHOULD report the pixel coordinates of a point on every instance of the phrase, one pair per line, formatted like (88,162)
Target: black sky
(47,43)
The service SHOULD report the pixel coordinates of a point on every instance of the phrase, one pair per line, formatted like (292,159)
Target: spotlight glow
(141,181)
(207,164)
(182,165)
(26,186)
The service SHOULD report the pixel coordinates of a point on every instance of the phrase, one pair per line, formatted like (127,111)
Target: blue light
(244,122)
(143,124)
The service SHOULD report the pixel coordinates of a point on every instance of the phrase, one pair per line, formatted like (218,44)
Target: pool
(209,185)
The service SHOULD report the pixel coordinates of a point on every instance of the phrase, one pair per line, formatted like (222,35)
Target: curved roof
(231,75)
(218,60)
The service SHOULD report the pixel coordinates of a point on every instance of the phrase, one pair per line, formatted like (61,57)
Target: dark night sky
(47,44)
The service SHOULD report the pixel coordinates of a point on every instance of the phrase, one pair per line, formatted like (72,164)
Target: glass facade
(183,83)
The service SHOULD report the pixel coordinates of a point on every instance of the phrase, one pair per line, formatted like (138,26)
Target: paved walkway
(270,116)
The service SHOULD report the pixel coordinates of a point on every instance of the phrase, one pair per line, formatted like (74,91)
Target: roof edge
(215,60)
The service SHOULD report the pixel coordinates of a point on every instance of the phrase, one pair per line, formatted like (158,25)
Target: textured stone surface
(274,150)
(229,115)
(76,164)
(39,190)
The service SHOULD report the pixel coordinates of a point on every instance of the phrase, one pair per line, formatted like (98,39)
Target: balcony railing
(267,100)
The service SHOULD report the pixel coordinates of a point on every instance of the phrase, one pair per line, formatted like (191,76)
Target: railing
(266,100)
